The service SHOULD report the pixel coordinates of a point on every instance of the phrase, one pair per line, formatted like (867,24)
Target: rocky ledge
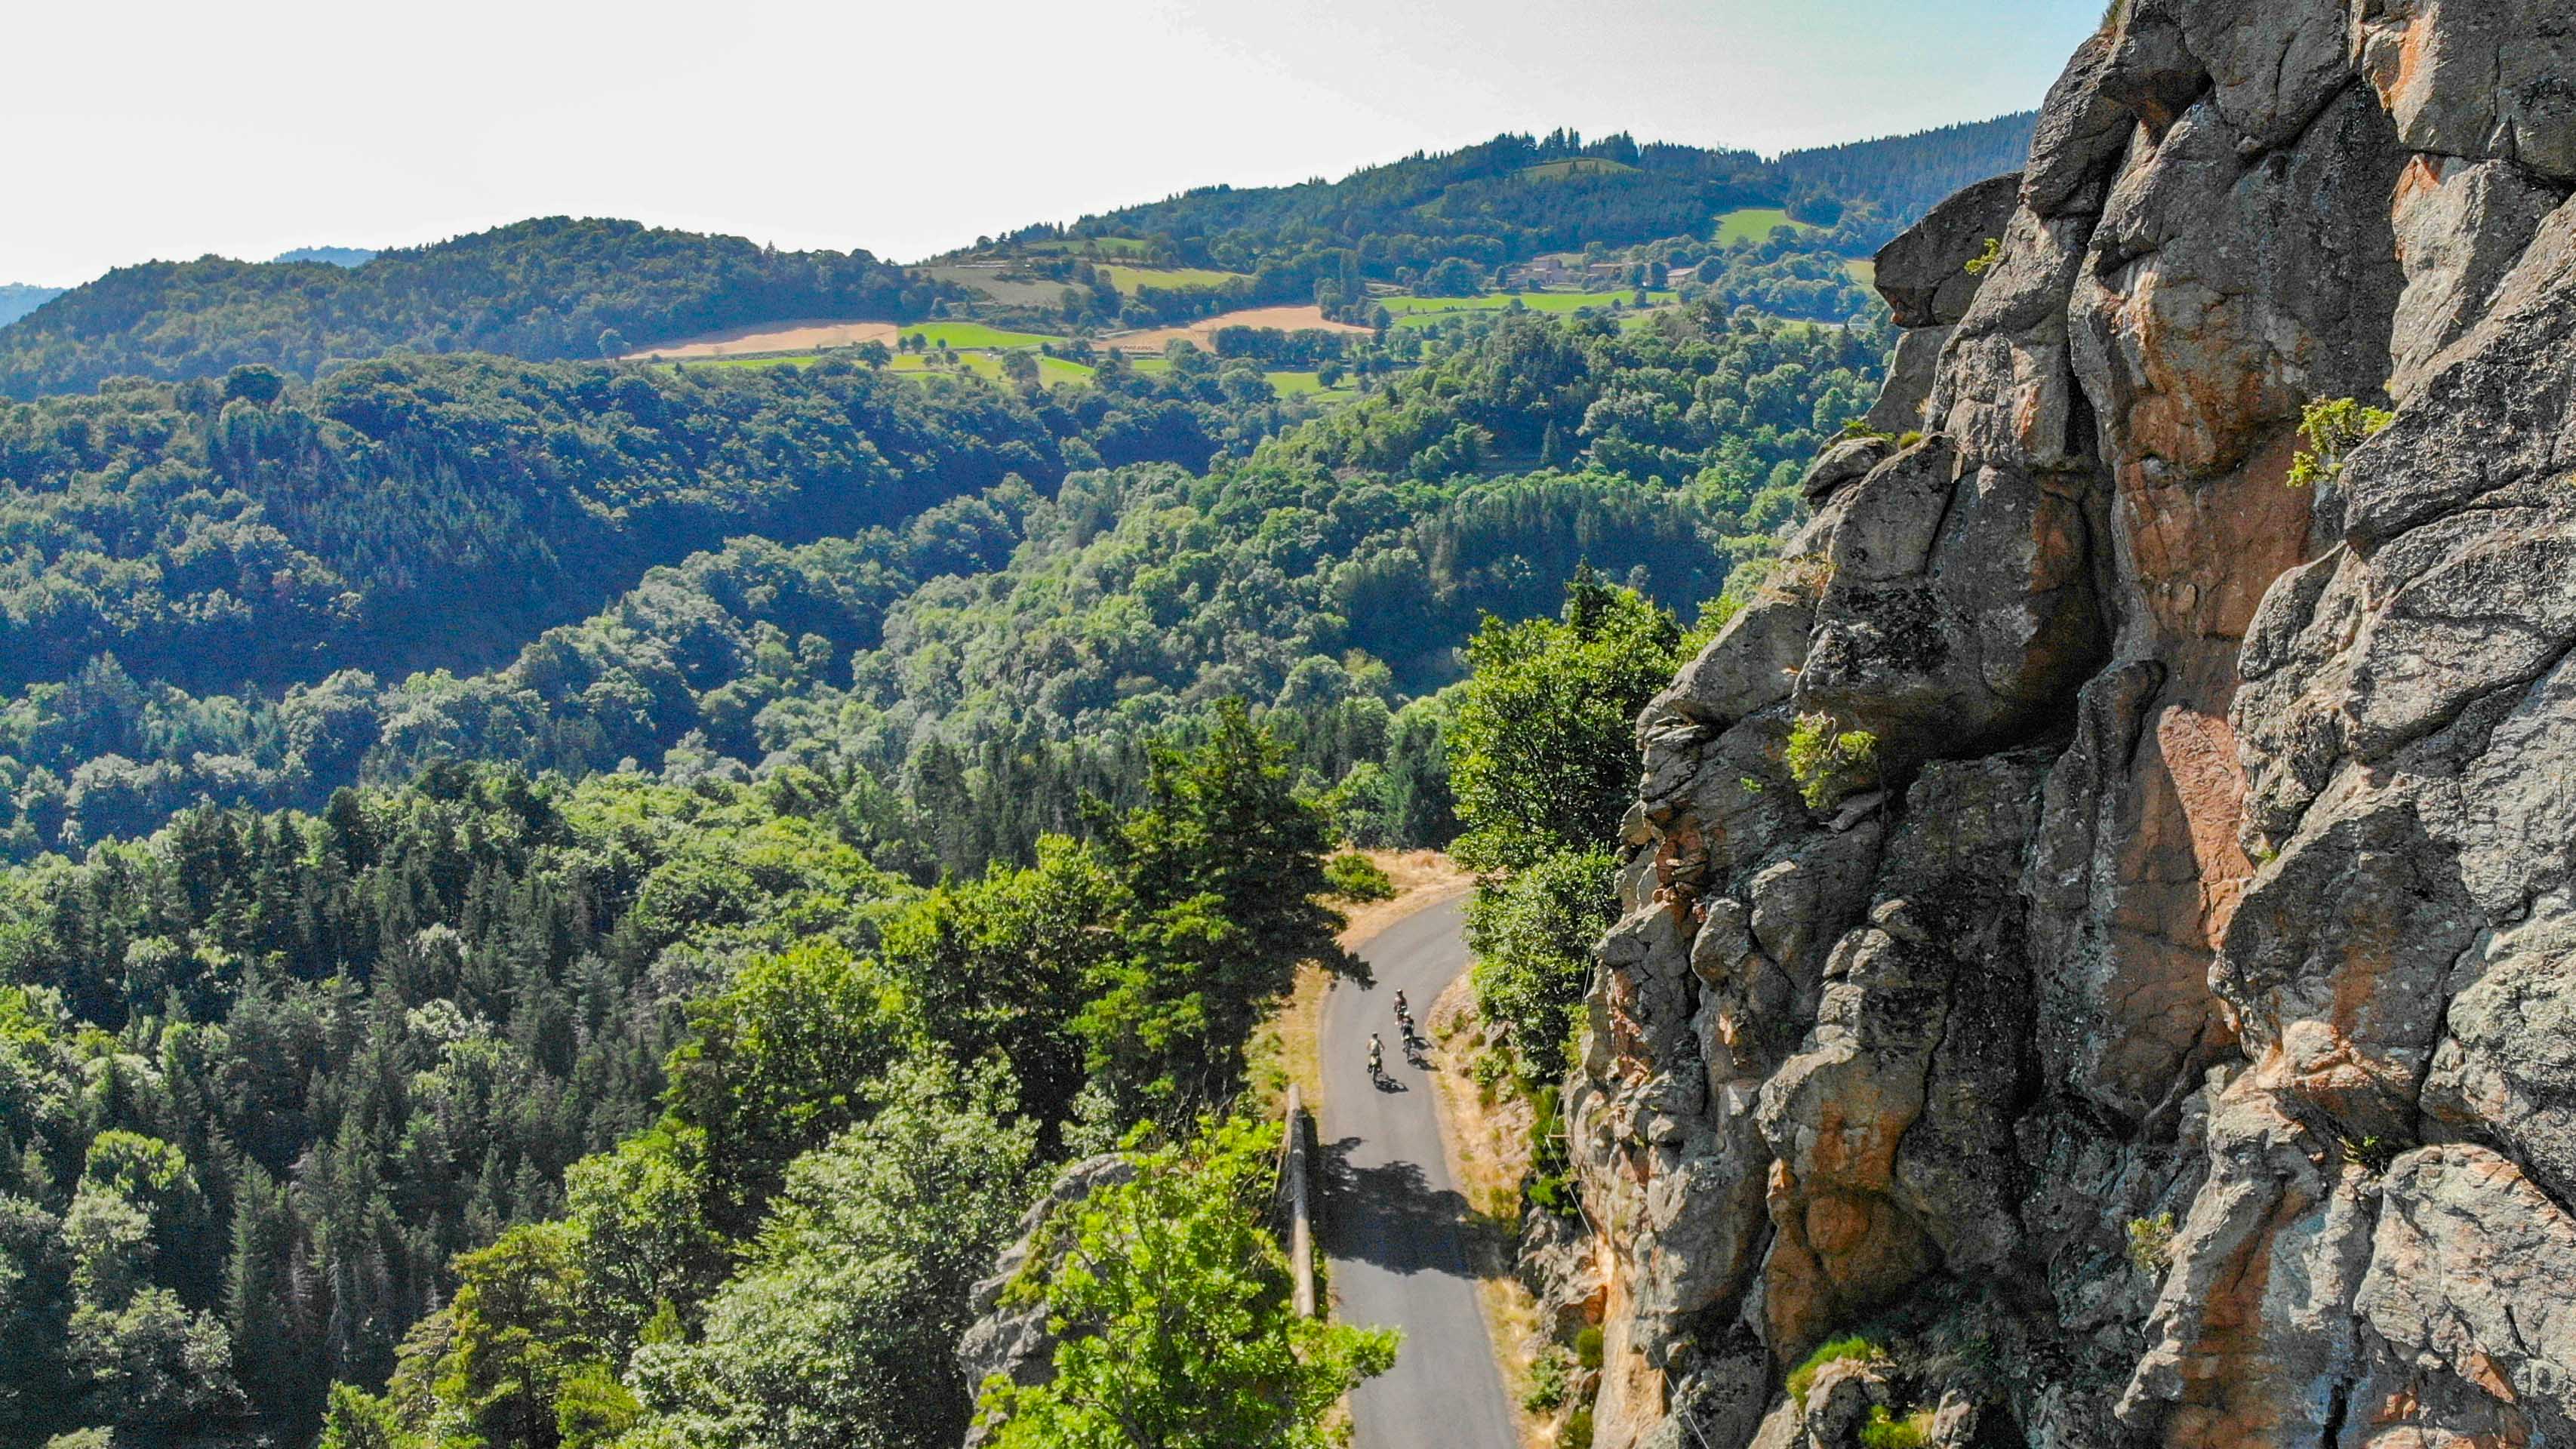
(2101,945)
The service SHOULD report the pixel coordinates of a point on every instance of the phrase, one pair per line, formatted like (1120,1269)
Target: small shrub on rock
(1829,762)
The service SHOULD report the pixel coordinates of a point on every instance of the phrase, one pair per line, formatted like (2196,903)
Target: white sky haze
(152,130)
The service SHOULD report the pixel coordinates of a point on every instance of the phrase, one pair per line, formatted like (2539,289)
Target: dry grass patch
(1203,332)
(769,337)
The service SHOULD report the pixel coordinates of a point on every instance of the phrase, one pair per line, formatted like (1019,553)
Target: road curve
(1394,1224)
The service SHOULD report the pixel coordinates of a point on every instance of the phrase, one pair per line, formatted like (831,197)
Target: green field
(1422,311)
(1863,271)
(1753,224)
(1129,279)
(1307,384)
(974,335)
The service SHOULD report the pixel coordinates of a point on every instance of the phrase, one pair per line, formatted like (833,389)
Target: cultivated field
(1203,332)
(770,337)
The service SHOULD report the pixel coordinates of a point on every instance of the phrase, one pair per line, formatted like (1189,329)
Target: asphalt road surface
(1394,1225)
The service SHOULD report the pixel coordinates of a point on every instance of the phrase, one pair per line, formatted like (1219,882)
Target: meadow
(1754,224)
(974,335)
(1129,280)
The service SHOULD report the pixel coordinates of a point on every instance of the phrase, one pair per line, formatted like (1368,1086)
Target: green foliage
(1223,862)
(1851,1347)
(1173,1301)
(356,1419)
(782,1061)
(1884,1430)
(1587,1346)
(1354,877)
(1829,762)
(1532,933)
(1577,1433)
(1539,750)
(1548,1375)
(418,1008)
(518,1336)
(1984,261)
(2333,428)
(842,1327)
(2151,1242)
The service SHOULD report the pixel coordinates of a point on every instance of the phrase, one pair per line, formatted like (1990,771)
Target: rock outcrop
(2167,1034)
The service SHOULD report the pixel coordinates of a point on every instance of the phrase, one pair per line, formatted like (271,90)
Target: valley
(617,837)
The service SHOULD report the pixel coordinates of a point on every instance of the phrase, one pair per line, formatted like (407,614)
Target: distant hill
(335,256)
(1419,221)
(1907,175)
(539,289)
(1511,197)
(17,299)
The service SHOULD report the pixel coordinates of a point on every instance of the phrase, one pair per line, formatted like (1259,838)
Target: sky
(149,130)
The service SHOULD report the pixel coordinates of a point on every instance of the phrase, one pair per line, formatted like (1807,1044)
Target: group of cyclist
(1377,1050)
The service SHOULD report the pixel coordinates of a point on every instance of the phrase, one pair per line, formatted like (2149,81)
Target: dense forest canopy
(959,589)
(420,511)
(548,288)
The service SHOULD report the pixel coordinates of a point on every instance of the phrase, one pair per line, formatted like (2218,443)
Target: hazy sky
(144,130)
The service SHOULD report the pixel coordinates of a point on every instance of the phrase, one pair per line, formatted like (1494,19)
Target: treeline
(555,287)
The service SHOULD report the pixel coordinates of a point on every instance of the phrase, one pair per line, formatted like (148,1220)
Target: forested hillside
(1906,175)
(549,288)
(1125,604)
(1516,196)
(424,511)
(573,903)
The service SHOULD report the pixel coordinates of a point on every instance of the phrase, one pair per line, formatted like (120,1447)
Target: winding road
(1394,1225)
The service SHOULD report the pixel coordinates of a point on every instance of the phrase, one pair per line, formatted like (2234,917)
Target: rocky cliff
(2100,928)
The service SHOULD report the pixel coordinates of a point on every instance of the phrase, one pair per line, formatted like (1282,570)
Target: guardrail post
(1301,1241)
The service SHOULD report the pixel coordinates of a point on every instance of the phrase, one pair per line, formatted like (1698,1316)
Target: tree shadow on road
(1389,1216)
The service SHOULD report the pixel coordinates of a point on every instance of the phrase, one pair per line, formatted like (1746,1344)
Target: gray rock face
(1924,274)
(1014,1341)
(2187,1011)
